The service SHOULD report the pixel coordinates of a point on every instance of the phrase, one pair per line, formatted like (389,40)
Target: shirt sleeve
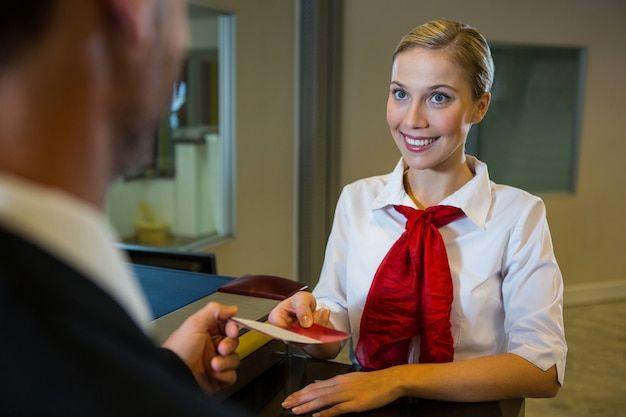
(532,290)
(331,288)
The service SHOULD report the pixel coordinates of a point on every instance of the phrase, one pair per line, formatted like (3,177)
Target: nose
(415,116)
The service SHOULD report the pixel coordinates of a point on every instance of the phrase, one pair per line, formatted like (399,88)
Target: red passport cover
(263,286)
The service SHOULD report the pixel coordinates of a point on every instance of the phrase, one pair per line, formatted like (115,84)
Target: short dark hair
(22,22)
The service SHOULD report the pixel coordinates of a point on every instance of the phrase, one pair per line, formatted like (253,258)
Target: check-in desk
(270,371)
(264,395)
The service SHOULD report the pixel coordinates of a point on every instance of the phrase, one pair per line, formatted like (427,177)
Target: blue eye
(439,98)
(399,94)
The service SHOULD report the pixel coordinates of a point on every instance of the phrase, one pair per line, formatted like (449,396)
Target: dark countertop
(264,394)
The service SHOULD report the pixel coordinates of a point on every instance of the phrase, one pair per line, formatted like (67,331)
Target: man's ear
(481,107)
(130,18)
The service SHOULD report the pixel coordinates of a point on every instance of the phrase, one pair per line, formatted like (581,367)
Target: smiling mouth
(419,142)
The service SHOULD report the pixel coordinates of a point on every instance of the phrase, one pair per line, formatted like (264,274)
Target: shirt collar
(74,232)
(393,192)
(474,198)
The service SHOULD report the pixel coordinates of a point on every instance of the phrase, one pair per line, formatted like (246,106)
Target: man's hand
(206,342)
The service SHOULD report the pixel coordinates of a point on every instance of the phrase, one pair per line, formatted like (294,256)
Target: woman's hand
(302,308)
(348,393)
(299,308)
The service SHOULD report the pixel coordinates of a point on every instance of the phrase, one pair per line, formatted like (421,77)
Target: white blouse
(508,289)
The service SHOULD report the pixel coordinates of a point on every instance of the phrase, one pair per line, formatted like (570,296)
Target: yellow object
(150,231)
(249,342)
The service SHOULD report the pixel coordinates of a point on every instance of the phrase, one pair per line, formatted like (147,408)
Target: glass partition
(184,199)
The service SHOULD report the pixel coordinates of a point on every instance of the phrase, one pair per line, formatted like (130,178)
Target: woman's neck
(429,187)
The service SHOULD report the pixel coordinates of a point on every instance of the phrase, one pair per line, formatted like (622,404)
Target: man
(82,85)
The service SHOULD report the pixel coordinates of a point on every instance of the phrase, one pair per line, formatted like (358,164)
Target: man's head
(22,21)
(86,82)
(149,77)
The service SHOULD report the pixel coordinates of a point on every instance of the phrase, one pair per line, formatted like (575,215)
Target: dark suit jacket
(68,349)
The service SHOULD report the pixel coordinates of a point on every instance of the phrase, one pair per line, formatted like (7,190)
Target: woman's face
(430,108)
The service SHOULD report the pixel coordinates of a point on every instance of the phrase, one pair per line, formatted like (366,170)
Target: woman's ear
(481,107)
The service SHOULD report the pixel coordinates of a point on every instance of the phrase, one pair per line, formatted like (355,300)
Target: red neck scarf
(411,295)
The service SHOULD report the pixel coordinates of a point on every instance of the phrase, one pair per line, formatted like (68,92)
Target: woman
(481,319)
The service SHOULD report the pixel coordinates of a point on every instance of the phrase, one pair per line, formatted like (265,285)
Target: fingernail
(307,321)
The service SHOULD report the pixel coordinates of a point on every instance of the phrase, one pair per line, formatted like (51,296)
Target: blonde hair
(466,46)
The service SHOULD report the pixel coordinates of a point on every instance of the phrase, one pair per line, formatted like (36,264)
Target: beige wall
(264,241)
(588,239)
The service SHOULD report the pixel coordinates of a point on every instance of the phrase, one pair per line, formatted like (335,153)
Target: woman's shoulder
(375,184)
(514,202)
(366,194)
(513,194)
(503,194)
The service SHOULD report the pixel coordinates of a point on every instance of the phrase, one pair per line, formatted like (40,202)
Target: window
(185,199)
(529,137)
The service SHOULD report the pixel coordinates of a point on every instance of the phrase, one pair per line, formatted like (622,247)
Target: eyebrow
(431,88)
